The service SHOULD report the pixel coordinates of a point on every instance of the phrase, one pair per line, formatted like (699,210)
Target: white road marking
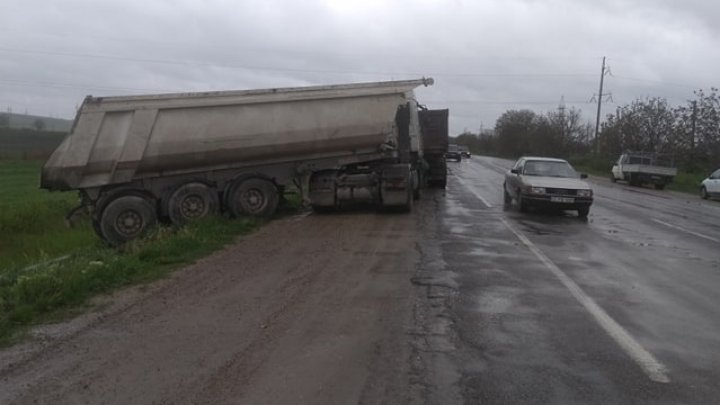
(472,190)
(679,228)
(655,370)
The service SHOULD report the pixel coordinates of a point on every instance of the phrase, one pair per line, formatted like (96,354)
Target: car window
(548,169)
(519,164)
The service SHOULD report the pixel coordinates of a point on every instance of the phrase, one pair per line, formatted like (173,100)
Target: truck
(137,160)
(434,128)
(453,153)
(464,151)
(638,168)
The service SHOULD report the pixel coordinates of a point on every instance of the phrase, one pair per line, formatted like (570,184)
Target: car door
(513,180)
(617,169)
(713,184)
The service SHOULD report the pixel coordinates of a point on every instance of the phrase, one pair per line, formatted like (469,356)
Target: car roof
(547,159)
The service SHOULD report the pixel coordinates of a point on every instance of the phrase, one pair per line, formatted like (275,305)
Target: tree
(39,124)
(513,130)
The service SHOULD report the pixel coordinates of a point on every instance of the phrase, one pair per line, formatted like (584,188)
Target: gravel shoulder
(310,309)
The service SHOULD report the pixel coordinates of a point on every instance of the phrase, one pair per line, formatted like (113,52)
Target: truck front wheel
(125,218)
(255,197)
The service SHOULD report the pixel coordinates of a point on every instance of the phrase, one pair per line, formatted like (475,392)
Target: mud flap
(396,186)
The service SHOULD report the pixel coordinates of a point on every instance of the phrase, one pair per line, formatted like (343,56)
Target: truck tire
(583,212)
(126,217)
(192,201)
(254,197)
(416,191)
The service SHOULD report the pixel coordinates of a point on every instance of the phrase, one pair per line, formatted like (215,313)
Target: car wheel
(507,199)
(703,193)
(583,212)
(522,205)
(612,178)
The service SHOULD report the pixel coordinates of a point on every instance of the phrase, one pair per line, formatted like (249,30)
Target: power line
(280,69)
(634,79)
(77,86)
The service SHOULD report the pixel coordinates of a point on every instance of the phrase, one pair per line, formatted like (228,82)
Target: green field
(36,288)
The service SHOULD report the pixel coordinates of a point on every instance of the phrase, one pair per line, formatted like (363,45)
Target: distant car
(710,187)
(464,151)
(547,182)
(453,153)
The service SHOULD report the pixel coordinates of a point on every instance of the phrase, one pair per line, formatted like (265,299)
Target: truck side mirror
(583,176)
(514,171)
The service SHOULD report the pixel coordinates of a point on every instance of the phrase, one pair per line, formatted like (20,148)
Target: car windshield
(549,169)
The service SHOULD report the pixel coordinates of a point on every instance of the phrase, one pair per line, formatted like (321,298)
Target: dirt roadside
(311,309)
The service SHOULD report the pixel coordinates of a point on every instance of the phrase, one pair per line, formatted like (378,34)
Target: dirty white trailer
(138,159)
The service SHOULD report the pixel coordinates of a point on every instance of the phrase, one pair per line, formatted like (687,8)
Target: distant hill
(24,143)
(22,121)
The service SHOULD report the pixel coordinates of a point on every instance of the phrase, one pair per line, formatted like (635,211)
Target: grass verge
(36,289)
(686,182)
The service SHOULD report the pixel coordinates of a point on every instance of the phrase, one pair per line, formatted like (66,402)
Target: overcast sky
(486,56)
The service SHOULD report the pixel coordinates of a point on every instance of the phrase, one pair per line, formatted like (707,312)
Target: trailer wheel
(255,197)
(192,201)
(125,218)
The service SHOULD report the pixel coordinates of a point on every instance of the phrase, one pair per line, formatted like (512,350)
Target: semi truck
(137,160)
(638,168)
(434,128)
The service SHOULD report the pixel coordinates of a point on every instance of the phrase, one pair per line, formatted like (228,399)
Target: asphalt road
(548,308)
(461,301)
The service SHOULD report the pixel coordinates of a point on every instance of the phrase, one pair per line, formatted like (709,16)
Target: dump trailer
(179,157)
(434,126)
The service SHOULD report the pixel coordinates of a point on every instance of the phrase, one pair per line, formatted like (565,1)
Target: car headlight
(584,193)
(536,190)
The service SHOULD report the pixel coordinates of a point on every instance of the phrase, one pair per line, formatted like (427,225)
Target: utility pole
(694,120)
(600,97)
(561,114)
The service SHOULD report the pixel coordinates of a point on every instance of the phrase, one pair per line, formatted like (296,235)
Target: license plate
(566,200)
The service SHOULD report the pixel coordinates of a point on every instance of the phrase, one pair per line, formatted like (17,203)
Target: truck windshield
(548,169)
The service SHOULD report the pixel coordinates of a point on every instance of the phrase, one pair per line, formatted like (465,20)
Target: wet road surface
(548,308)
(461,301)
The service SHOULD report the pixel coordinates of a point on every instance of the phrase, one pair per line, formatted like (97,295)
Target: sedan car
(710,187)
(549,183)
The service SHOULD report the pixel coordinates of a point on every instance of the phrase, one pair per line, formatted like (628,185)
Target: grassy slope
(32,230)
(32,220)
